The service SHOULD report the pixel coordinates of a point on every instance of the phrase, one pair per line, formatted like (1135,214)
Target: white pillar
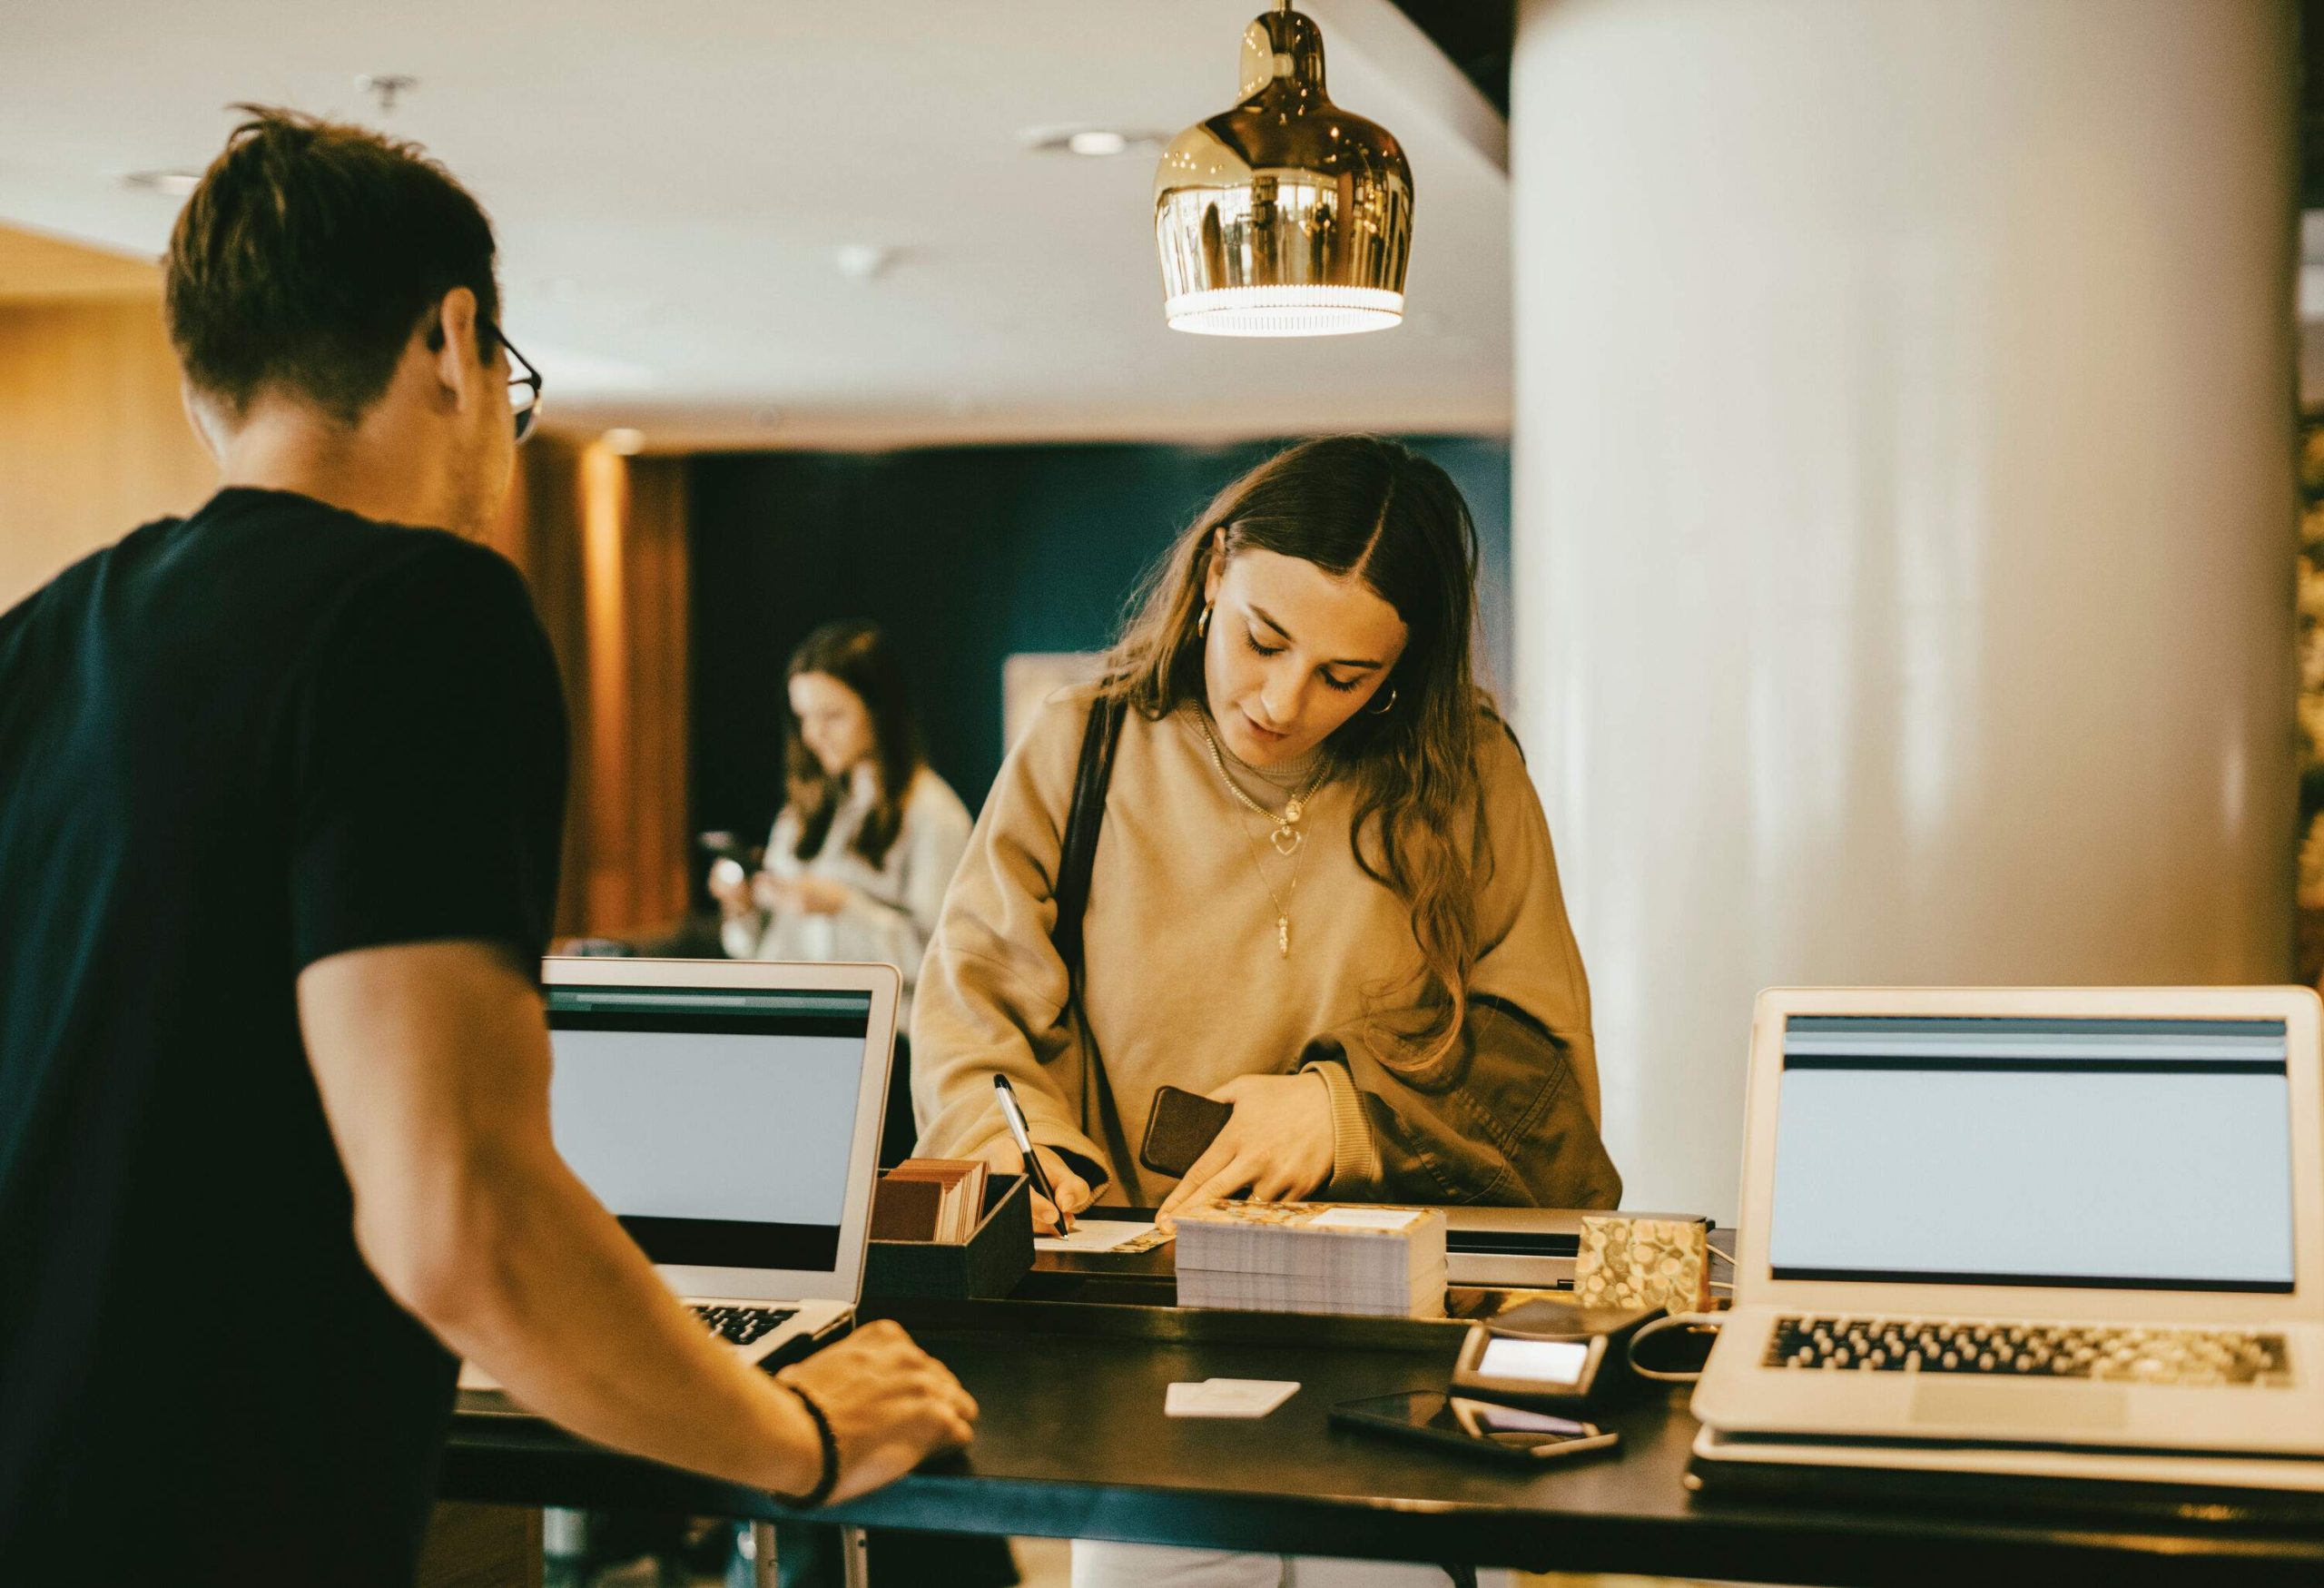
(1905,509)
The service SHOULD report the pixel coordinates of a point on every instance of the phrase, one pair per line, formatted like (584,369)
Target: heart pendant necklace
(1282,901)
(1285,835)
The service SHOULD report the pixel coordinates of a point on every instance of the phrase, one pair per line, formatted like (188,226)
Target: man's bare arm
(433,1063)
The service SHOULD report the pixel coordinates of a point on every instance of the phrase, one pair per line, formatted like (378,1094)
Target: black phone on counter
(1502,1433)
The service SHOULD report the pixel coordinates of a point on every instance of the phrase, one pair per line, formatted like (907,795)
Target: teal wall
(966,555)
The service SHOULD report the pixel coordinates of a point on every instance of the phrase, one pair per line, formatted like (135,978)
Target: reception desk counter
(1073,1443)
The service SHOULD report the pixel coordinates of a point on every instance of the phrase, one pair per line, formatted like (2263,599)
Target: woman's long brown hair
(858,655)
(1364,507)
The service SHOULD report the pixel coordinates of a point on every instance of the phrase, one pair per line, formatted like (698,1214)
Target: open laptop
(2033,1220)
(728,1113)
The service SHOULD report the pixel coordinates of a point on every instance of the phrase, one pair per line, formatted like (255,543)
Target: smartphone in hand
(1180,1129)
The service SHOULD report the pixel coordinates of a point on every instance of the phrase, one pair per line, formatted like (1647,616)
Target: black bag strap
(1078,852)
(1093,774)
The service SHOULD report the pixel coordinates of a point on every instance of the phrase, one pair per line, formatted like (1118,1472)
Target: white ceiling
(673,183)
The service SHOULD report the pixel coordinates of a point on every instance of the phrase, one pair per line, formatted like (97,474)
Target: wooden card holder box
(986,1266)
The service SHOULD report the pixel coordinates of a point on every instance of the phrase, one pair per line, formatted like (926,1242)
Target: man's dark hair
(310,253)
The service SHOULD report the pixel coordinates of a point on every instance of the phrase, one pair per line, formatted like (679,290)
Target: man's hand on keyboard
(892,1404)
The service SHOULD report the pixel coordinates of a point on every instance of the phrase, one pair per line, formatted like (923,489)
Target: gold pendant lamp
(1285,216)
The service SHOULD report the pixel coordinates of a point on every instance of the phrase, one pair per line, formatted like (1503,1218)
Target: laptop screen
(2128,1154)
(716,1123)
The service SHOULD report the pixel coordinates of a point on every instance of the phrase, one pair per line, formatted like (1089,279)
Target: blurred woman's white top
(891,910)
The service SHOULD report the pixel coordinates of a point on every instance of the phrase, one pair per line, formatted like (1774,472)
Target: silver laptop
(728,1113)
(2029,1220)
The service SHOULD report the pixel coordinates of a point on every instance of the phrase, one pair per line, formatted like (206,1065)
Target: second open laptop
(728,1113)
(2041,1219)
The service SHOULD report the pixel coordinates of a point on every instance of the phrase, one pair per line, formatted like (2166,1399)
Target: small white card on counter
(1364,1218)
(1119,1237)
(1229,1397)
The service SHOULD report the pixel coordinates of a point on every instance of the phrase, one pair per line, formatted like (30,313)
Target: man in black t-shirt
(280,791)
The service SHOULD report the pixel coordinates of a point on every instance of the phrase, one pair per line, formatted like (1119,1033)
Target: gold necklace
(1286,837)
(1282,904)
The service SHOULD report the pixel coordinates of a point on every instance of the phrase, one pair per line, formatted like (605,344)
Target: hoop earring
(1385,706)
(1202,623)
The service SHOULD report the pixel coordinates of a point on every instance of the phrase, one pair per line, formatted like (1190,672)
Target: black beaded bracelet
(828,1479)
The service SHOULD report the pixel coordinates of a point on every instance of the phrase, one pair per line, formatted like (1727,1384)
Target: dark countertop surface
(1073,1443)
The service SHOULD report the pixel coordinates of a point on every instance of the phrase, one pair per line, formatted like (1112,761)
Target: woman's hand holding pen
(1002,1155)
(1277,1144)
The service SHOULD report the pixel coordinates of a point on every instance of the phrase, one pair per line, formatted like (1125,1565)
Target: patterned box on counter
(1643,1262)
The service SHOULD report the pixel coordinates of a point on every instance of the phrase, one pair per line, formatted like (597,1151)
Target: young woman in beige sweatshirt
(1323,890)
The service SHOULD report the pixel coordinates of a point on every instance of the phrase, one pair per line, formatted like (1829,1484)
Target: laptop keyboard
(1995,1350)
(744,1325)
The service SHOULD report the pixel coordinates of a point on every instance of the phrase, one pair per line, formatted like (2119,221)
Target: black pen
(1013,1113)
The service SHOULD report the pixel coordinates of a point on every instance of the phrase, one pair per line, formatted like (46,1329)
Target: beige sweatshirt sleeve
(992,990)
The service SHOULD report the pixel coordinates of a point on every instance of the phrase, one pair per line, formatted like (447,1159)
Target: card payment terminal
(1552,1355)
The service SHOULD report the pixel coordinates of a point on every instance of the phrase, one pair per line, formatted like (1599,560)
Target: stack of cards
(930,1199)
(1227,1398)
(1313,1257)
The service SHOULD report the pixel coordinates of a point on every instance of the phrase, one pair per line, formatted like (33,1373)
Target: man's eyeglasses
(523,387)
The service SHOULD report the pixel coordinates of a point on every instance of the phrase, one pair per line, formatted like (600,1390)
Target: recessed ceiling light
(1089,143)
(623,441)
(863,262)
(175,184)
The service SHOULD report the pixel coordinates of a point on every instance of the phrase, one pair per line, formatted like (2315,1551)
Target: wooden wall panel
(601,540)
(660,695)
(93,439)
(604,743)
(540,534)
(38,268)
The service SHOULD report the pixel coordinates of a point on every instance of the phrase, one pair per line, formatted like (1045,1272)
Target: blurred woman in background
(868,838)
